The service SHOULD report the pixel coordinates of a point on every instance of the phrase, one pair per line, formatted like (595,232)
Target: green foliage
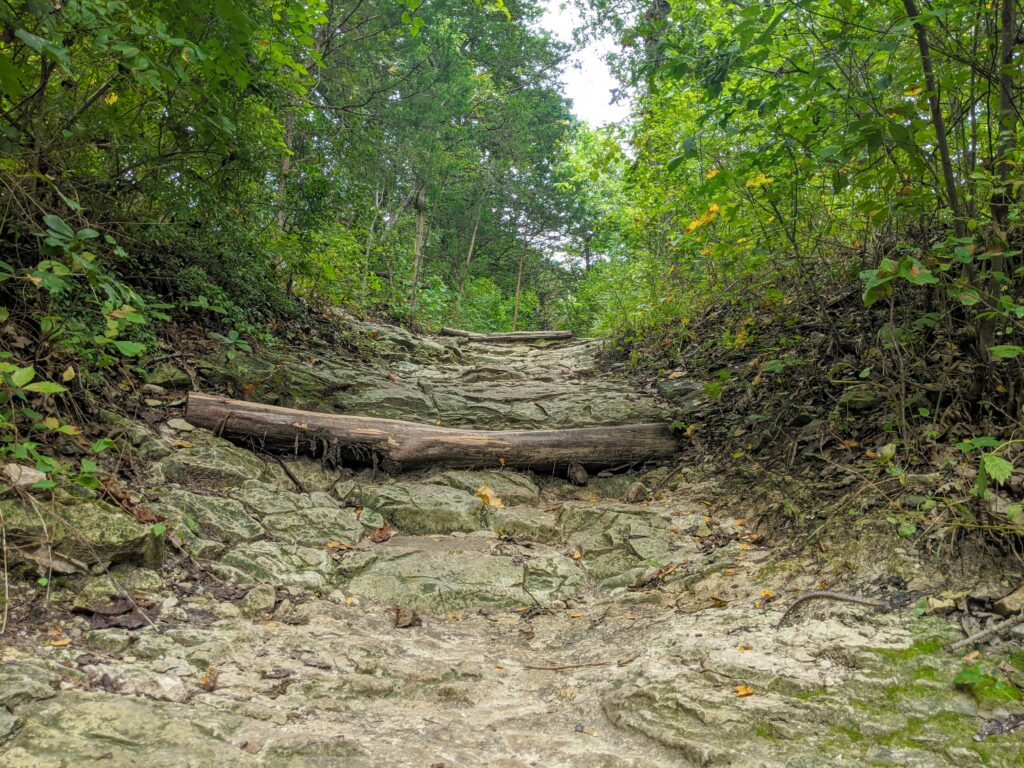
(988,685)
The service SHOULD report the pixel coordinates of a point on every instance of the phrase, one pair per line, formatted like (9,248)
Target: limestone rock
(219,519)
(21,475)
(23,682)
(1011,603)
(168,376)
(511,487)
(313,474)
(311,519)
(132,731)
(210,463)
(76,537)
(259,601)
(524,523)
(427,576)
(615,538)
(288,565)
(423,507)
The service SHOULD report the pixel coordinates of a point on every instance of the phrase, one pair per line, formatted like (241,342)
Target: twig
(291,475)
(558,667)
(987,634)
(878,605)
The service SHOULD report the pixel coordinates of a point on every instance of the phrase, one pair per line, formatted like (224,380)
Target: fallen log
(508,337)
(364,439)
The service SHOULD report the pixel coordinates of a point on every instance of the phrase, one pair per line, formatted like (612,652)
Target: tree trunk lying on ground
(362,438)
(503,337)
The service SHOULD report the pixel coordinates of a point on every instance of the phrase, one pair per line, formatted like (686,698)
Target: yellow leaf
(51,423)
(758,181)
(706,218)
(743,690)
(917,90)
(64,641)
(712,173)
(746,648)
(487,495)
(68,375)
(767,593)
(110,99)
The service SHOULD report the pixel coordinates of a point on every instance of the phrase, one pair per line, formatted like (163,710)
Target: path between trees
(308,615)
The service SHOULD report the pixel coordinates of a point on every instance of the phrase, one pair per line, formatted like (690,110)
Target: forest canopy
(234,162)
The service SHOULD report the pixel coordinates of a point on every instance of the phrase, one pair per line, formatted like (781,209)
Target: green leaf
(129,348)
(996,467)
(57,225)
(906,529)
(45,387)
(159,529)
(101,445)
(1006,351)
(12,78)
(23,376)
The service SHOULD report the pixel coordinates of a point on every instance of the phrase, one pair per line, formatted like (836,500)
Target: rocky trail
(313,615)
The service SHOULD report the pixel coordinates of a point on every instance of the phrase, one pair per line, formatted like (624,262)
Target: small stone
(22,476)
(258,601)
(1012,603)
(153,402)
(154,389)
(180,425)
(940,606)
(577,474)
(861,398)
(636,493)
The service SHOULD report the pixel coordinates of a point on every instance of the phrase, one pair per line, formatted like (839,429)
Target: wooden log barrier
(500,338)
(365,438)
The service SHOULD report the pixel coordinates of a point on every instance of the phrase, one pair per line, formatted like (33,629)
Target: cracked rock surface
(328,617)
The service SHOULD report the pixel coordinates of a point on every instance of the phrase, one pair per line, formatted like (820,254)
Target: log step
(365,438)
(508,337)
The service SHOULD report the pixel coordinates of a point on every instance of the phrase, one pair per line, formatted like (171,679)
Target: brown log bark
(365,438)
(506,337)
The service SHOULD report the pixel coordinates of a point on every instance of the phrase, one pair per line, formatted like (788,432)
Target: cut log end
(364,439)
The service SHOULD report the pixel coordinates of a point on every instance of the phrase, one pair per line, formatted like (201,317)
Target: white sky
(587,79)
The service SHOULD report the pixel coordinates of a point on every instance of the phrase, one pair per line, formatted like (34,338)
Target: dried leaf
(405,618)
(382,534)
(743,691)
(487,495)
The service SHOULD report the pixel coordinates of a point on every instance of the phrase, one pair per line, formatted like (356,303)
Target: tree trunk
(364,439)
(519,287)
(472,239)
(938,121)
(1002,196)
(502,337)
(421,235)
(285,168)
